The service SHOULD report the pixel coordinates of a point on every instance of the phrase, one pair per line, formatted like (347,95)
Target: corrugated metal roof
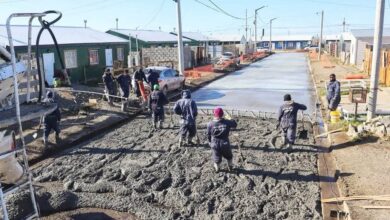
(64,35)
(150,36)
(229,37)
(368,32)
(289,38)
(198,36)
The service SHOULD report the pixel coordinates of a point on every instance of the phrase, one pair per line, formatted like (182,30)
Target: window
(120,53)
(290,44)
(93,56)
(70,58)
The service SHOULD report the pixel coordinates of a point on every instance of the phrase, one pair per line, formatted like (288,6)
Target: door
(48,67)
(298,45)
(108,57)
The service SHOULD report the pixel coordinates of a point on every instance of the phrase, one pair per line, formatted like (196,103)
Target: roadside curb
(327,165)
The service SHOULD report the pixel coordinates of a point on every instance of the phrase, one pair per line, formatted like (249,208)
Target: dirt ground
(134,169)
(364,166)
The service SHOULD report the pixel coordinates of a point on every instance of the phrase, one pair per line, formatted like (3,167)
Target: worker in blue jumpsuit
(287,119)
(218,136)
(153,78)
(108,81)
(333,92)
(157,100)
(188,110)
(51,121)
(124,81)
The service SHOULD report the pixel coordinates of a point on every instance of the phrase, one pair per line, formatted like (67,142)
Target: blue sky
(293,16)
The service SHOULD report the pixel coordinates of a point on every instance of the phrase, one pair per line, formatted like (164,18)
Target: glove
(228,117)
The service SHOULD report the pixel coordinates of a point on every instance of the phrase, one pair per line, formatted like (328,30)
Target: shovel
(303,133)
(35,135)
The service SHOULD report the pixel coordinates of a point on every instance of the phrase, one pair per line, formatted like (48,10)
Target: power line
(156,14)
(223,11)
(208,6)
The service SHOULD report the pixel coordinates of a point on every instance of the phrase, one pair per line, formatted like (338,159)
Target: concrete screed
(137,170)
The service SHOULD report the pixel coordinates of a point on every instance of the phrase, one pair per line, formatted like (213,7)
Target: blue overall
(288,119)
(218,137)
(187,109)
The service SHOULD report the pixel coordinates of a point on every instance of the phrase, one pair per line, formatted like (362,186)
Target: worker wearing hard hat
(218,136)
(287,119)
(157,100)
(188,110)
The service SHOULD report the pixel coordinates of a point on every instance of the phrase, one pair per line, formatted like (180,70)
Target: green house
(85,52)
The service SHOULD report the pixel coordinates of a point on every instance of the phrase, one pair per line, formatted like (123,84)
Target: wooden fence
(384,72)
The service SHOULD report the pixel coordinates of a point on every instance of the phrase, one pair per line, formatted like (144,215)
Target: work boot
(230,165)
(189,141)
(154,125)
(160,124)
(197,140)
(289,147)
(216,167)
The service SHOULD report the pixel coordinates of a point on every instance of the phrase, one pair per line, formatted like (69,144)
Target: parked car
(311,47)
(169,80)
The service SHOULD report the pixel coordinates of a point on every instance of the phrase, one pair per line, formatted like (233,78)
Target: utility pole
(270,35)
(320,42)
(116,23)
(344,25)
(246,25)
(179,40)
(85,23)
(130,62)
(257,9)
(372,95)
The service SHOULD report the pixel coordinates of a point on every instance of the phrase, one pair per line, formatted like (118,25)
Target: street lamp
(116,19)
(257,9)
(270,34)
(179,40)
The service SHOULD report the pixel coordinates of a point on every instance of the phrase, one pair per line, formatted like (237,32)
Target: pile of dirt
(139,170)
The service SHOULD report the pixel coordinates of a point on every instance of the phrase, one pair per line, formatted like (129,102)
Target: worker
(108,81)
(187,109)
(124,81)
(153,78)
(139,76)
(333,92)
(157,100)
(287,119)
(218,137)
(51,121)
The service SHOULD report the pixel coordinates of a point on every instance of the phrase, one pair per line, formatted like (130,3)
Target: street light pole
(116,23)
(320,42)
(256,24)
(372,95)
(179,40)
(270,34)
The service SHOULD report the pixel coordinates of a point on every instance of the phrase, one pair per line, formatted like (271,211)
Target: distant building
(85,52)
(288,42)
(360,38)
(147,38)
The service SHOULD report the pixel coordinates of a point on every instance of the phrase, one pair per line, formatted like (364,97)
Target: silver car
(169,80)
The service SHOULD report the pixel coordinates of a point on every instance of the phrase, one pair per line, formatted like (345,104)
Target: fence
(384,71)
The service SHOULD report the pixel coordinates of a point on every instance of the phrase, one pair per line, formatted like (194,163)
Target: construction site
(80,136)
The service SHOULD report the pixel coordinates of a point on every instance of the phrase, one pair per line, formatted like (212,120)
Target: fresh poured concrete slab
(262,85)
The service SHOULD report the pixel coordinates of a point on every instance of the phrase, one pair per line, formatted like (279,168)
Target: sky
(293,17)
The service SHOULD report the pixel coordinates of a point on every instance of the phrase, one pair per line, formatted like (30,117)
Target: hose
(46,26)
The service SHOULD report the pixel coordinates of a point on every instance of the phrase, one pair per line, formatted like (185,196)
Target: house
(85,52)
(338,45)
(147,38)
(360,38)
(288,42)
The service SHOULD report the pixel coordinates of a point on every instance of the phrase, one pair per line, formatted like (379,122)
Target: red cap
(218,112)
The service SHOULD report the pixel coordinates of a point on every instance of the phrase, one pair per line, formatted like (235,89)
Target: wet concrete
(261,86)
(135,169)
